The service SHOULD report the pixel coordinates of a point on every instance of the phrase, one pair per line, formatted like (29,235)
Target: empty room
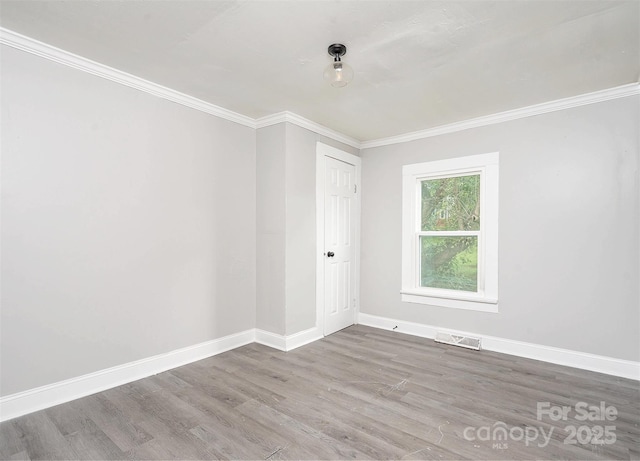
(262,230)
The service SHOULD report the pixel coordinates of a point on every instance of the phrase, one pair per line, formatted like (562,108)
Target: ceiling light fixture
(338,73)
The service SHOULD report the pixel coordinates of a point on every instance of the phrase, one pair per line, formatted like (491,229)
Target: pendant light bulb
(338,73)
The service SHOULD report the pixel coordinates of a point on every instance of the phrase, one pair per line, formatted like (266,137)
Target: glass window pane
(451,203)
(449,262)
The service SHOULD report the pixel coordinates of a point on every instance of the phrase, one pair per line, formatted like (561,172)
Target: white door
(339,245)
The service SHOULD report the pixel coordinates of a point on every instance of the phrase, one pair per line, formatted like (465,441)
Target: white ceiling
(418,64)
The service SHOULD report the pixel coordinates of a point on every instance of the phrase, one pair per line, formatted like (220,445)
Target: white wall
(286,227)
(569,229)
(271,229)
(128,224)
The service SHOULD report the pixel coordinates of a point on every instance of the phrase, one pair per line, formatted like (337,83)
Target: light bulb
(338,74)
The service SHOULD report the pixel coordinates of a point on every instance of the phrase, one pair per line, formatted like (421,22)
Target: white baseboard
(50,395)
(303,337)
(288,343)
(266,338)
(585,361)
(21,403)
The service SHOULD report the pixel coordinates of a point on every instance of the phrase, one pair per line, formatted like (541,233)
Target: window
(450,233)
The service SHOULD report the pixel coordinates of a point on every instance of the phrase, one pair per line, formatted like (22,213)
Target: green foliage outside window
(449,262)
(449,205)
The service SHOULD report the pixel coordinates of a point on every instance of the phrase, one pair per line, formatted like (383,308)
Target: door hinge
(355,188)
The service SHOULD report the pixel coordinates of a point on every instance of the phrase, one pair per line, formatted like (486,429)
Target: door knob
(330,254)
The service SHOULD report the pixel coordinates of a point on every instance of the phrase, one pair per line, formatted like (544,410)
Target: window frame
(486,299)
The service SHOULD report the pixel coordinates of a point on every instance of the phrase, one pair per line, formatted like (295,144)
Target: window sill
(453,300)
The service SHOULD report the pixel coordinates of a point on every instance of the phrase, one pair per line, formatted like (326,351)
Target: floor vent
(455,340)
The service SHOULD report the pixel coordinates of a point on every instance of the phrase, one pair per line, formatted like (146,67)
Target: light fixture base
(337,50)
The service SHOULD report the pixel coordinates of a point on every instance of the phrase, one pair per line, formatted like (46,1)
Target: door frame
(323,151)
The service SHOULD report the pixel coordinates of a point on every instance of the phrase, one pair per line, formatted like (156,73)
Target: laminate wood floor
(361,393)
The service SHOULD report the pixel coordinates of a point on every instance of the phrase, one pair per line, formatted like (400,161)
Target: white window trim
(486,300)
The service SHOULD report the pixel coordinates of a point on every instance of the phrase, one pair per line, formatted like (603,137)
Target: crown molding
(43,50)
(302,122)
(529,111)
(35,47)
